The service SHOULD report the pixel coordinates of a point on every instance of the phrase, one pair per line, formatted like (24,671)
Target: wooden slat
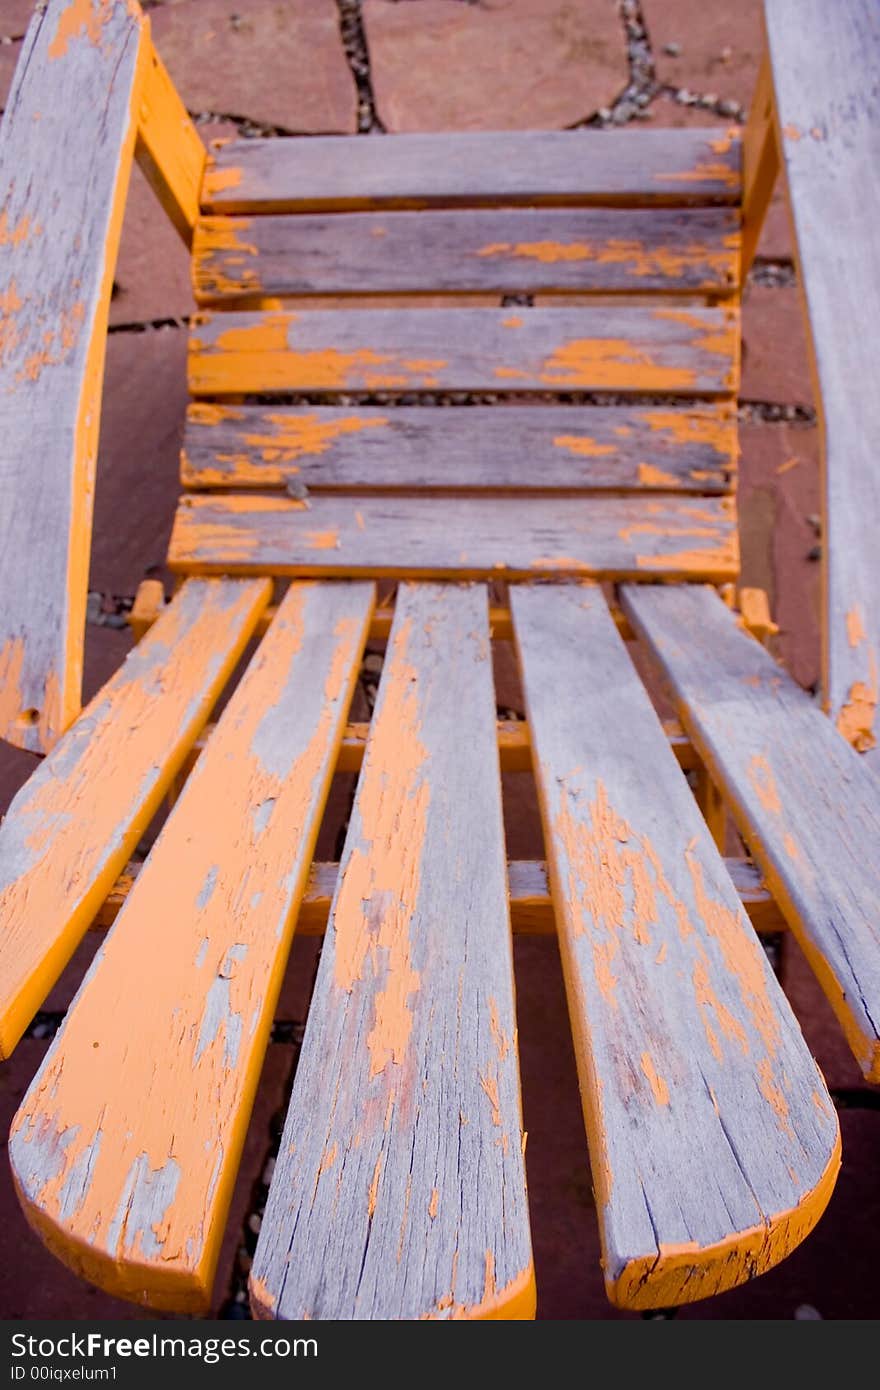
(73,825)
(169,148)
(821,55)
(663,449)
(531,909)
(399,1188)
(668,350)
(62,190)
(668,166)
(807,805)
(125,1148)
(467,537)
(713,1140)
(641,250)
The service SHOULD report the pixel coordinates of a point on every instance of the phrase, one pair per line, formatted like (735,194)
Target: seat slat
(684,251)
(668,166)
(74,824)
(399,1188)
(675,449)
(62,190)
(126,1147)
(666,350)
(465,537)
(713,1140)
(805,802)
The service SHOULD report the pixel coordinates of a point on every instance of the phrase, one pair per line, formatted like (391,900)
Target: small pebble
(673,49)
(805,1312)
(373,662)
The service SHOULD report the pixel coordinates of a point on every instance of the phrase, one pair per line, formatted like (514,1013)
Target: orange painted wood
(126,1147)
(760,165)
(460,537)
(329,448)
(67,140)
(829,138)
(399,1188)
(713,1141)
(169,148)
(667,350)
(516,250)
(71,828)
(806,804)
(509,167)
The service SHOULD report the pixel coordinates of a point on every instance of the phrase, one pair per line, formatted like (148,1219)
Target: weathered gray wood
(683,250)
(713,1141)
(465,537)
(126,1146)
(71,828)
(826,73)
(807,805)
(399,1189)
(66,145)
(655,448)
(662,166)
(667,350)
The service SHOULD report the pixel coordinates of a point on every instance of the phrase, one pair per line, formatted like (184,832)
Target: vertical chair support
(63,186)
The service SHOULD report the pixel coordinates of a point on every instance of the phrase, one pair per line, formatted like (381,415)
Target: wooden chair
(601,506)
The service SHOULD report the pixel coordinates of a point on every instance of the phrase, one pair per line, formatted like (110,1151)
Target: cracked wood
(75,822)
(807,805)
(620,448)
(399,1189)
(713,1142)
(62,193)
(126,1147)
(668,350)
(464,537)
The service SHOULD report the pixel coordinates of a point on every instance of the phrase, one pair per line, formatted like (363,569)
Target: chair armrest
(66,146)
(825,61)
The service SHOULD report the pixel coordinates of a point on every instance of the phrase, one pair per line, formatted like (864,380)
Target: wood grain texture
(169,148)
(677,449)
(807,805)
(399,1189)
(713,1141)
(668,166)
(62,190)
(664,250)
(125,1153)
(466,537)
(73,825)
(667,350)
(826,73)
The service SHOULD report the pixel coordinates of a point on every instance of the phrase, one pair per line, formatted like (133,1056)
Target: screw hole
(29,717)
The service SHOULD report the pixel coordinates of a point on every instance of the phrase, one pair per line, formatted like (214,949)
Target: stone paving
(312,66)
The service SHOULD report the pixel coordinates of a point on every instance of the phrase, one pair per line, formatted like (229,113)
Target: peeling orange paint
(611,362)
(434,1204)
(83,19)
(659,1089)
(715,429)
(583,445)
(515,321)
(855,631)
(221,180)
(652,476)
(489,1086)
(764,784)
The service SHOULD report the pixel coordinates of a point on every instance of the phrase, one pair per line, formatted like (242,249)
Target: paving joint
(354,43)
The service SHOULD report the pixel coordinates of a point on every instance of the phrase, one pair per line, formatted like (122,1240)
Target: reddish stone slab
(15,16)
(141,425)
(720,46)
(276,64)
(779,493)
(775,363)
(511,65)
(8,58)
